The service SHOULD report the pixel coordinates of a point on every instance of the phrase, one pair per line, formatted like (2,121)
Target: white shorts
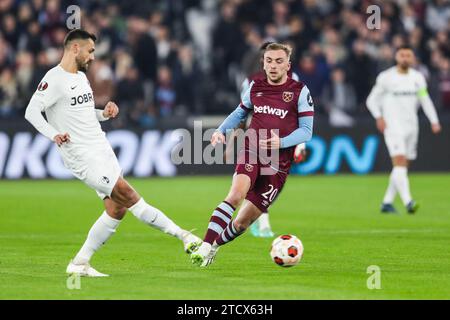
(402,144)
(96,166)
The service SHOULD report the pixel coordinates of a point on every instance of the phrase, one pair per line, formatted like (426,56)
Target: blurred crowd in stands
(174,58)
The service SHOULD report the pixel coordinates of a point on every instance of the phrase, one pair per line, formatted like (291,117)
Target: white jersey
(68,102)
(396,97)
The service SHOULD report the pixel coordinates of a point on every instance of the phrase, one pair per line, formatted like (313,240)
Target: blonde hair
(280,46)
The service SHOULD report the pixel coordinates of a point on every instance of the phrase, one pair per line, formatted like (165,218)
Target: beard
(82,66)
(404,66)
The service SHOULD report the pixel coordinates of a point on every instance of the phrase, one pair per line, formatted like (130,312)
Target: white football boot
(84,270)
(209,259)
(190,241)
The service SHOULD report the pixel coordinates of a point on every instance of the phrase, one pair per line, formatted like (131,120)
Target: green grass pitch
(44,223)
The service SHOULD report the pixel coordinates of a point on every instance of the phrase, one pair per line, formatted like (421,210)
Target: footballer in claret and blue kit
(283,109)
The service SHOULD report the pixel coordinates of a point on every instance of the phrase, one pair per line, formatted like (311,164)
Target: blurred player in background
(261,227)
(66,97)
(393,102)
(283,107)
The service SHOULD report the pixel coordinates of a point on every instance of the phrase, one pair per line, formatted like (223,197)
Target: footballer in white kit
(68,102)
(66,97)
(394,103)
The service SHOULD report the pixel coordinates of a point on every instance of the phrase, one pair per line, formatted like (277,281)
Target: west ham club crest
(288,96)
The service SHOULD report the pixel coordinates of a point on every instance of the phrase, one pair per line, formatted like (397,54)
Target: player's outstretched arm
(217,137)
(238,116)
(231,122)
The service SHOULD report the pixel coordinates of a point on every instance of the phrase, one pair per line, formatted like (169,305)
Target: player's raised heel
(412,207)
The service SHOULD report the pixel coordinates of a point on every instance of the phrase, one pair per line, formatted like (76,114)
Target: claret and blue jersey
(288,108)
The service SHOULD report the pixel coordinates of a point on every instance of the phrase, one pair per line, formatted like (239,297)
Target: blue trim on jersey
(300,135)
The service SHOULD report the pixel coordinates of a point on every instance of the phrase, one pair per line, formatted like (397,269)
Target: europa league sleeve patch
(310,100)
(42,86)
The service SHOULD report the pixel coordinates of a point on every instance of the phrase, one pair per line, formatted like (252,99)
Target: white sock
(100,232)
(264,221)
(401,181)
(155,218)
(391,191)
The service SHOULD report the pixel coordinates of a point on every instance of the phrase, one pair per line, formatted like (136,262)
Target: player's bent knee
(131,195)
(400,161)
(121,211)
(125,194)
(114,209)
(117,213)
